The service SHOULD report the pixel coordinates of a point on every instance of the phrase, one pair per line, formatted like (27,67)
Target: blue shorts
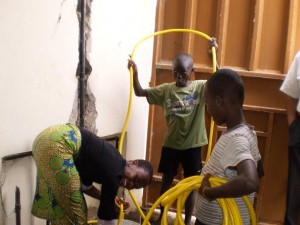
(190,160)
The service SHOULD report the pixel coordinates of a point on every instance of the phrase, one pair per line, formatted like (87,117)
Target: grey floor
(135,217)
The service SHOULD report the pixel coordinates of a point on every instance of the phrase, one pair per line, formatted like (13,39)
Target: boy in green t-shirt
(183,105)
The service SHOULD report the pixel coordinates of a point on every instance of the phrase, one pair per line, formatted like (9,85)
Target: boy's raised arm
(138,90)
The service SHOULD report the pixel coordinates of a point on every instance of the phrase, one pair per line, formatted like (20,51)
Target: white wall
(39,55)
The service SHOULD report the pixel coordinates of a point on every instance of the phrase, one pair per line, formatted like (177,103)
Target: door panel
(258,39)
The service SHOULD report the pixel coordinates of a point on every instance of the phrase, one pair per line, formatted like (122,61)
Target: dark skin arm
(96,193)
(93,192)
(138,90)
(291,109)
(246,182)
(260,169)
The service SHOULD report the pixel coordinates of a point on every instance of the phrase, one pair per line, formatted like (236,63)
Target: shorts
(190,160)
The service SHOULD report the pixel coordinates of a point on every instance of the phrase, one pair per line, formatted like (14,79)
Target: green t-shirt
(184,113)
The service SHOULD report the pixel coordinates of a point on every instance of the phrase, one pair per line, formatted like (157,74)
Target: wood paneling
(257,38)
(273,38)
(237,33)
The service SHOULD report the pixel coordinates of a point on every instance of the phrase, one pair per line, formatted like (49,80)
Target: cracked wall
(38,84)
(90,111)
(39,53)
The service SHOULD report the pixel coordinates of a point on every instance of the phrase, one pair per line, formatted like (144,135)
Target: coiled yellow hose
(121,216)
(231,215)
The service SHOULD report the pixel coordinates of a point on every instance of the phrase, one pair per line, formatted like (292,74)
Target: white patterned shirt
(291,84)
(234,146)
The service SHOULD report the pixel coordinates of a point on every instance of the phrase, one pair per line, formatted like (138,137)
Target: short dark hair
(226,82)
(184,59)
(147,166)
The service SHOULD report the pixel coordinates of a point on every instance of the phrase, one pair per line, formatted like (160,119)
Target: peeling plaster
(90,112)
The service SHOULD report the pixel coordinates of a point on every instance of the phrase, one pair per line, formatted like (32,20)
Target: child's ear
(218,100)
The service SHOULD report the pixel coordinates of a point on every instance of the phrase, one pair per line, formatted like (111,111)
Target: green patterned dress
(58,195)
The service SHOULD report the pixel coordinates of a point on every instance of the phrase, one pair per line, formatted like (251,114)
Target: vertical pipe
(18,206)
(82,64)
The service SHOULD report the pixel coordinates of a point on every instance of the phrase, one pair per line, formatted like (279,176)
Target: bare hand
(119,201)
(204,185)
(212,43)
(132,64)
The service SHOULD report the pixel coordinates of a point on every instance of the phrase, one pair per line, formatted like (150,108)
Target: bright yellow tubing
(230,210)
(131,82)
(214,66)
(130,102)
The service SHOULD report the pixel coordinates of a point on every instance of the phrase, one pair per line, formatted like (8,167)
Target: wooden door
(257,38)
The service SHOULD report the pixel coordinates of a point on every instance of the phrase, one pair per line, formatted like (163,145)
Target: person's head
(224,96)
(182,69)
(137,174)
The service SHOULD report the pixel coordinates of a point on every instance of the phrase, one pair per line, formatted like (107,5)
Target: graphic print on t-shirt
(185,105)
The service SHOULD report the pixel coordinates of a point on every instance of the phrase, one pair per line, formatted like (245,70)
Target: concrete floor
(135,217)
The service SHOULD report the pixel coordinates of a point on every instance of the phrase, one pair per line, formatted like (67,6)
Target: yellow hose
(214,68)
(229,208)
(121,216)
(131,77)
